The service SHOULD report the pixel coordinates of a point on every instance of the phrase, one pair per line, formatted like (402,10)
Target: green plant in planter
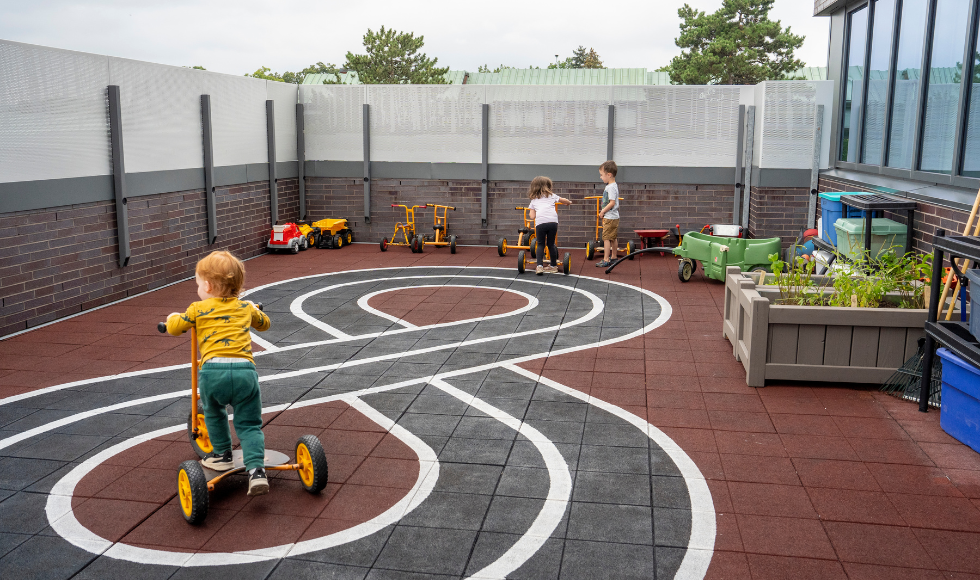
(796,285)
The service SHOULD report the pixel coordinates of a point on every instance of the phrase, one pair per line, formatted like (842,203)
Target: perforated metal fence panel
(549,125)
(161,114)
(284,95)
(53,121)
(787,125)
(418,123)
(238,119)
(682,126)
(333,122)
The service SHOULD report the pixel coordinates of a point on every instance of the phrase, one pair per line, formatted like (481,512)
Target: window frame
(971,45)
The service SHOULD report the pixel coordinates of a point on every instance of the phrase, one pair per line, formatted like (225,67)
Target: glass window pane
(878,70)
(856,49)
(905,102)
(971,150)
(943,95)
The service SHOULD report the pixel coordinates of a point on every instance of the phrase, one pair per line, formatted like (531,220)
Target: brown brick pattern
(60,261)
(777,212)
(643,206)
(928,217)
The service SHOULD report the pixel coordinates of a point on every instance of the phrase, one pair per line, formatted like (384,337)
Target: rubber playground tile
(723,385)
(954,551)
(818,447)
(61,560)
(759,469)
(857,571)
(708,463)
(870,428)
(763,499)
(896,478)
(728,565)
(746,443)
(109,518)
(411,549)
(876,544)
(937,512)
(361,502)
(793,405)
(901,451)
(142,484)
(967,481)
(848,505)
(587,560)
(386,472)
(778,567)
(252,530)
(684,418)
(793,424)
(953,455)
(835,474)
(800,538)
(740,421)
(167,529)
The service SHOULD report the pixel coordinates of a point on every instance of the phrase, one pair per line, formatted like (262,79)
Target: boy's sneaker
(258,483)
(219,462)
(551,269)
(603,264)
(539,270)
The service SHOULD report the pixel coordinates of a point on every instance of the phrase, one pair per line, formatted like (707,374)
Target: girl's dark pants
(545,234)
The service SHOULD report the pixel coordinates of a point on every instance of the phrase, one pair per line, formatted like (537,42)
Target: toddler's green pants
(235,384)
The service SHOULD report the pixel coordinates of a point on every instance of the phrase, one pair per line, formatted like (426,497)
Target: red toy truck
(287,236)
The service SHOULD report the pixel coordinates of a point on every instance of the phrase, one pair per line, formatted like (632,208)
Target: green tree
(297,77)
(581,58)
(264,72)
(737,45)
(592,60)
(486,69)
(393,58)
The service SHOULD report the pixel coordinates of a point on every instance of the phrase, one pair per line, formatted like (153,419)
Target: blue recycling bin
(831,210)
(960,412)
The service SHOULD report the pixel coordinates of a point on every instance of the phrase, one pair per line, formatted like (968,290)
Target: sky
(238,37)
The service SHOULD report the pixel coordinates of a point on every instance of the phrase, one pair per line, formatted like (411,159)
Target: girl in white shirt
(542,211)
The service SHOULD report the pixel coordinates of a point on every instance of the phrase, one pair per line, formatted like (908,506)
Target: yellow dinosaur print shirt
(222,326)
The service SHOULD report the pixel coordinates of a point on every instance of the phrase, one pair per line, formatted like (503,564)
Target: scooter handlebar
(162,326)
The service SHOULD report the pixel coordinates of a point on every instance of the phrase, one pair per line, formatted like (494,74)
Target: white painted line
(63,521)
(703,524)
(554,506)
(532,303)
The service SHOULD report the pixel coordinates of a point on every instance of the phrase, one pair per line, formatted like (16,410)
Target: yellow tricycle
(407,230)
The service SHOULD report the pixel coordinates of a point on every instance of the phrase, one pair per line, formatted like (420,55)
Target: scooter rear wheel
(202,443)
(312,463)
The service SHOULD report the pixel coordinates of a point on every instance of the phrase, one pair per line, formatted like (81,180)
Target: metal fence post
(484,180)
(208,147)
(811,212)
(609,135)
(366,129)
(119,175)
(270,130)
(749,153)
(739,152)
(301,158)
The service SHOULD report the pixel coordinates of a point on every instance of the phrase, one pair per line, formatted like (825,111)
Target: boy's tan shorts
(610,229)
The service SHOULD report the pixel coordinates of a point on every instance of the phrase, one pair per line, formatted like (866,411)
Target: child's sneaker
(216,462)
(603,264)
(539,270)
(551,269)
(258,483)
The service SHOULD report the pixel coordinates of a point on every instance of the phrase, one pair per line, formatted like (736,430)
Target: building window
(971,149)
(857,26)
(879,66)
(908,66)
(943,93)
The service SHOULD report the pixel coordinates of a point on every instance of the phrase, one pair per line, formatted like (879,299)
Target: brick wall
(643,206)
(777,212)
(60,261)
(928,217)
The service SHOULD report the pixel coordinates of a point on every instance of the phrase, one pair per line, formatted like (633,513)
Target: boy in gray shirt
(609,213)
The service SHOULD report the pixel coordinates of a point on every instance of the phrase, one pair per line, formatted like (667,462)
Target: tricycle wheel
(685,269)
(192,491)
(630,248)
(452,244)
(566,262)
(502,247)
(532,247)
(312,463)
(421,242)
(520,262)
(202,443)
(589,250)
(384,244)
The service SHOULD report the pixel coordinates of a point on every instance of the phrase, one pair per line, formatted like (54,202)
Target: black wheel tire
(566,263)
(194,497)
(303,244)
(520,262)
(502,247)
(421,242)
(384,244)
(338,241)
(196,443)
(312,240)
(318,459)
(349,238)
(452,244)
(294,248)
(630,248)
(685,269)
(532,246)
(589,250)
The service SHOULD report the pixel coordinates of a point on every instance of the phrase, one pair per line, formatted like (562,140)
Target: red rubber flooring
(808,481)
